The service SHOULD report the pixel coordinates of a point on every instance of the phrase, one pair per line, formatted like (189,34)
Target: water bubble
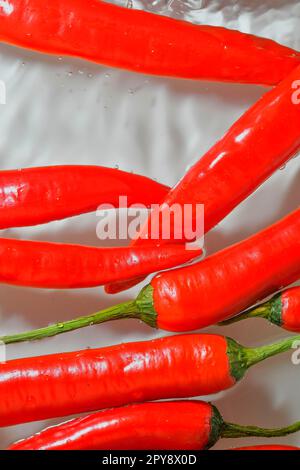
(107,75)
(117,166)
(81,72)
(90,75)
(282,167)
(70,74)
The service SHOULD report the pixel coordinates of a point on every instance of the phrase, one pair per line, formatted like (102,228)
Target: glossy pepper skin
(259,143)
(68,266)
(282,310)
(213,290)
(290,314)
(34,196)
(143,42)
(178,425)
(63,384)
(229,281)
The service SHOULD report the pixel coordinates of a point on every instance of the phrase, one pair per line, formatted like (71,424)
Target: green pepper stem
(124,310)
(231,430)
(255,355)
(141,308)
(261,311)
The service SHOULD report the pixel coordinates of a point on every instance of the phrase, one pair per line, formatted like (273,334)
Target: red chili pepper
(208,292)
(63,384)
(38,195)
(260,142)
(270,447)
(228,281)
(143,42)
(282,310)
(179,425)
(66,266)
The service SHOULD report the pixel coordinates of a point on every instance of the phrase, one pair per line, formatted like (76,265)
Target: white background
(69,111)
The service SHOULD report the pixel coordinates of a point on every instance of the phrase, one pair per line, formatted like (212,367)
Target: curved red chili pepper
(283,310)
(217,288)
(229,281)
(260,142)
(33,196)
(37,388)
(290,312)
(67,266)
(169,425)
(179,425)
(268,447)
(143,42)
